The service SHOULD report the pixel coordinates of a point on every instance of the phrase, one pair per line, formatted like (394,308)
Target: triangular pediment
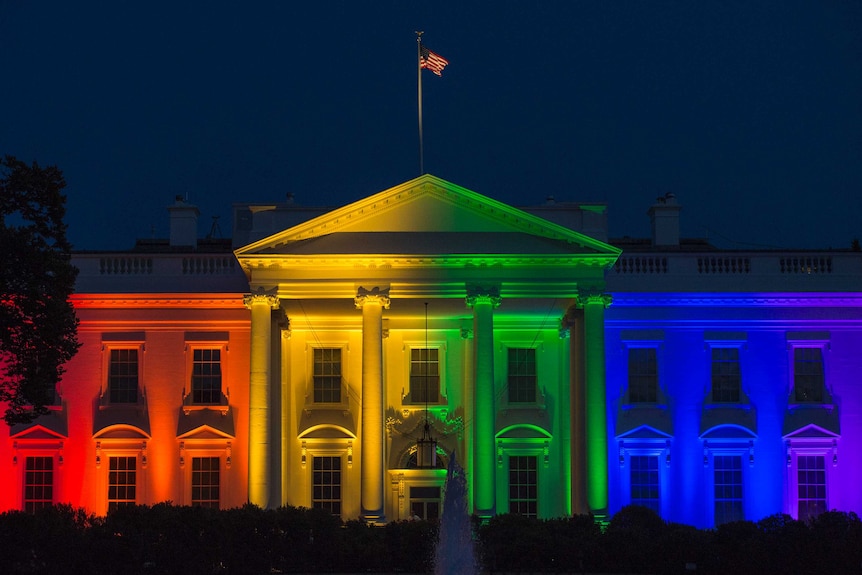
(37,433)
(428,216)
(205,432)
(206,424)
(644,433)
(811,432)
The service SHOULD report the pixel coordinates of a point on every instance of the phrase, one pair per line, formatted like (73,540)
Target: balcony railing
(126,272)
(771,271)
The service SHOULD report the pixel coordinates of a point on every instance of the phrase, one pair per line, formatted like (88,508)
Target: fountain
(455,553)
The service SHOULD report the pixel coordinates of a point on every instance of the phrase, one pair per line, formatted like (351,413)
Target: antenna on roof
(215,230)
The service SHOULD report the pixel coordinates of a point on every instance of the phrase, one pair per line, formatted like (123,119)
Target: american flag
(431,61)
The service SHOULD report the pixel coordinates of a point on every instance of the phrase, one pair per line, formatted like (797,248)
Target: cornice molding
(738,300)
(188,301)
(270,261)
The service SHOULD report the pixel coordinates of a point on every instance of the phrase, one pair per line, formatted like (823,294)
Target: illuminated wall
(767,426)
(284,305)
(157,430)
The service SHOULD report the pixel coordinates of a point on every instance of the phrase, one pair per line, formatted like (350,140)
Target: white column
(261,305)
(595,402)
(483,302)
(578,449)
(372,426)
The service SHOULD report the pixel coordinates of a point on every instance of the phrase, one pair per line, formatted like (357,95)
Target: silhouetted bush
(410,546)
(168,539)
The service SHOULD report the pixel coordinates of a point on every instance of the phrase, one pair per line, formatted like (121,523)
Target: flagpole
(419,68)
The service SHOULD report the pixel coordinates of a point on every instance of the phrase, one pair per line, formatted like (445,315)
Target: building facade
(310,361)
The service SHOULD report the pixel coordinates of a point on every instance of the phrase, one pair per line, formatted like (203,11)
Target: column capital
(375,294)
(483,294)
(268,297)
(594,297)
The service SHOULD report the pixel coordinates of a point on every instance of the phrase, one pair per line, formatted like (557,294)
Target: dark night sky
(750,112)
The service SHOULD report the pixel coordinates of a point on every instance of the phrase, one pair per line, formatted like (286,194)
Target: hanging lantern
(426,449)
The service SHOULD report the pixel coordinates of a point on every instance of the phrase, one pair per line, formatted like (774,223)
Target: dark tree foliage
(37,323)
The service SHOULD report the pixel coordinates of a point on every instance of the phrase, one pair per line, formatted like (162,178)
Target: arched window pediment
(121,431)
(729,432)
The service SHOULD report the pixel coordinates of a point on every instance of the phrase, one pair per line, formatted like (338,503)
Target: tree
(37,322)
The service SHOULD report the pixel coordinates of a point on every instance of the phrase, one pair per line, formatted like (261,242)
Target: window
(811,486)
(205,481)
(523,485)
(522,375)
(122,481)
(643,375)
(645,481)
(327,375)
(38,483)
(425,502)
(206,376)
(808,377)
(326,484)
(123,376)
(727,474)
(726,375)
(425,375)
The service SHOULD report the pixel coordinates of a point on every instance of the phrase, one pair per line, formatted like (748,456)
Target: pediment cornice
(426,186)
(289,262)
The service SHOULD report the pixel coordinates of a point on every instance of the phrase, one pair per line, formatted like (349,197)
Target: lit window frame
(344,392)
(651,399)
(535,500)
(735,457)
(22,457)
(509,349)
(32,443)
(409,397)
(728,448)
(513,443)
(716,380)
(820,340)
(823,396)
(125,454)
(823,446)
(403,479)
(424,501)
(194,473)
(189,396)
(108,348)
(660,448)
(334,455)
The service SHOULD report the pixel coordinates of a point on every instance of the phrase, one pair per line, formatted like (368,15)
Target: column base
(484,515)
(373,518)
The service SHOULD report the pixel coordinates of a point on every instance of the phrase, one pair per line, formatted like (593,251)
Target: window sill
(223,409)
(742,405)
(810,405)
(442,401)
(522,406)
(327,406)
(645,406)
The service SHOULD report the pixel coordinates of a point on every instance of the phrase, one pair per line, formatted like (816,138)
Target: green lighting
(596,416)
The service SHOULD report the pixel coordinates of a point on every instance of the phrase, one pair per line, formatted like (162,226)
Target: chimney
(184,224)
(664,216)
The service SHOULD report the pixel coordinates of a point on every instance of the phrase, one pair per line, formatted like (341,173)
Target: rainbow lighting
(299,363)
